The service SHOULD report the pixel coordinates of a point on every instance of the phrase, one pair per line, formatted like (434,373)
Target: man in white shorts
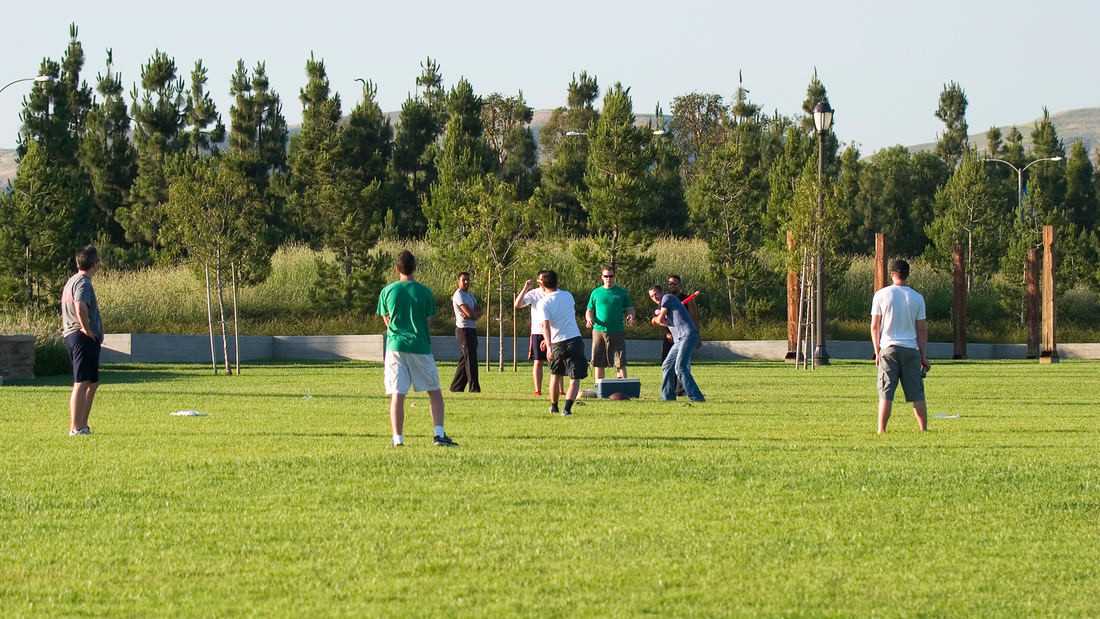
(405,306)
(899,333)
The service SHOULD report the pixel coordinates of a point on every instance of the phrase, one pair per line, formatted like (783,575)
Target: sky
(884,63)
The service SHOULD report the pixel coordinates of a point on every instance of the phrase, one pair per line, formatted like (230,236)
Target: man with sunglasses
(608,305)
(673,286)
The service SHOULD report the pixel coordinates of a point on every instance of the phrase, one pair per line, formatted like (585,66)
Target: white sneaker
(80,431)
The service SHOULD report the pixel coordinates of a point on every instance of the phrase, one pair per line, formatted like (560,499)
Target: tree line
(155,174)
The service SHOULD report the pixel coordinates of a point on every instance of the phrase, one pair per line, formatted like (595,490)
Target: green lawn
(775,498)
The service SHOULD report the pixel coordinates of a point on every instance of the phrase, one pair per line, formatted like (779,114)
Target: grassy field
(775,498)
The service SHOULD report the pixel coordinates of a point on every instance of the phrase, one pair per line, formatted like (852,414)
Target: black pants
(466,372)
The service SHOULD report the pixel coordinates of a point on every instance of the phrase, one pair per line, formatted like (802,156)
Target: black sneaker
(444,441)
(554,410)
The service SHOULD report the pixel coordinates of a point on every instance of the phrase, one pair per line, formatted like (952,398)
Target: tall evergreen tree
(669,214)
(1080,204)
(952,112)
(565,156)
(317,142)
(463,157)
(1048,177)
(619,199)
(508,133)
(419,127)
(107,154)
(964,217)
(159,116)
(204,131)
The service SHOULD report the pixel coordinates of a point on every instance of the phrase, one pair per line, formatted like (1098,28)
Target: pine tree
(952,112)
(857,234)
(159,115)
(1049,177)
(463,157)
(41,229)
(963,216)
(565,156)
(1080,202)
(107,154)
(317,142)
(414,171)
(619,199)
(669,214)
(204,131)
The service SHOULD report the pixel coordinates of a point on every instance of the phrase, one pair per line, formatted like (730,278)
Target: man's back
(408,304)
(900,307)
(560,309)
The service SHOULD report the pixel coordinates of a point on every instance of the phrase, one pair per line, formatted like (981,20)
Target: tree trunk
(236,331)
(729,293)
(515,362)
(488,306)
(221,308)
(210,320)
(500,321)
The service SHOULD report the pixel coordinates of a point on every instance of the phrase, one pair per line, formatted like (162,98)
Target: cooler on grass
(629,387)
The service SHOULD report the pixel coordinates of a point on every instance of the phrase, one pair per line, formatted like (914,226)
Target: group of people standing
(899,334)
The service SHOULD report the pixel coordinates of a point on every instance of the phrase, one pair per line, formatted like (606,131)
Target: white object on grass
(944,416)
(187,413)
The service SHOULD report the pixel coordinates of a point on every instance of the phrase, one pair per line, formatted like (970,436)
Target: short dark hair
(466,273)
(550,280)
(608,268)
(901,267)
(406,263)
(87,257)
(656,288)
(675,277)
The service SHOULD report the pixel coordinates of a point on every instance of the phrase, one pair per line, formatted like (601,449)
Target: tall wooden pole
(488,316)
(1031,302)
(1049,353)
(515,362)
(958,301)
(793,299)
(881,276)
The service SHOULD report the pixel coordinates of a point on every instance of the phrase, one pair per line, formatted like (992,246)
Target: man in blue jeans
(671,313)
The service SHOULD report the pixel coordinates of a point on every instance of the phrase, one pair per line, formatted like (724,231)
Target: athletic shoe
(567,414)
(554,410)
(396,445)
(538,394)
(444,441)
(80,431)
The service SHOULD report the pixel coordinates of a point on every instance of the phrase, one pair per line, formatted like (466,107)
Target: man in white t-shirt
(530,297)
(466,312)
(899,333)
(561,339)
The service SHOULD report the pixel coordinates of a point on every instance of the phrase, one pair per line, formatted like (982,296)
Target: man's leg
(683,369)
(76,406)
(461,370)
(599,373)
(884,407)
(668,375)
(397,417)
(574,389)
(435,403)
(536,376)
(920,410)
(555,391)
(471,358)
(89,397)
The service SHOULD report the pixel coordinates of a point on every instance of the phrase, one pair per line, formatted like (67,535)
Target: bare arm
(589,318)
(922,343)
(661,319)
(519,303)
(472,314)
(546,340)
(630,315)
(876,333)
(82,318)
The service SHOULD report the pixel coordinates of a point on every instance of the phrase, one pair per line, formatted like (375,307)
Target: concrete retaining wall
(157,348)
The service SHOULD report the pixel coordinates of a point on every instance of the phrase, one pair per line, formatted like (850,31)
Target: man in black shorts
(562,342)
(83,332)
(536,354)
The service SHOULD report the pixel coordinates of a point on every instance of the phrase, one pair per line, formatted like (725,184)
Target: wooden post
(488,317)
(515,362)
(958,301)
(1049,353)
(881,276)
(1031,302)
(793,297)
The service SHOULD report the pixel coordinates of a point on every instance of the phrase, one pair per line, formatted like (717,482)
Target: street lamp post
(38,79)
(1020,180)
(823,122)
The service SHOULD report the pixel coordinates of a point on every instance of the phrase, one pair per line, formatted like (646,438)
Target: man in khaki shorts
(405,306)
(899,333)
(607,306)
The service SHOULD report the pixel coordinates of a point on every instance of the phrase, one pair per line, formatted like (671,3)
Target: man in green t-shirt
(405,306)
(607,306)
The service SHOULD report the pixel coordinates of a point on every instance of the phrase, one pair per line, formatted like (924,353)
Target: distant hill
(1072,125)
(7,165)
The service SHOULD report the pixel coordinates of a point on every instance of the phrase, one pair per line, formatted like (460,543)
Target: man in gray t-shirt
(82,330)
(466,315)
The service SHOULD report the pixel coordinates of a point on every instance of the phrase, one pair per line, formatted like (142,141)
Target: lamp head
(823,116)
